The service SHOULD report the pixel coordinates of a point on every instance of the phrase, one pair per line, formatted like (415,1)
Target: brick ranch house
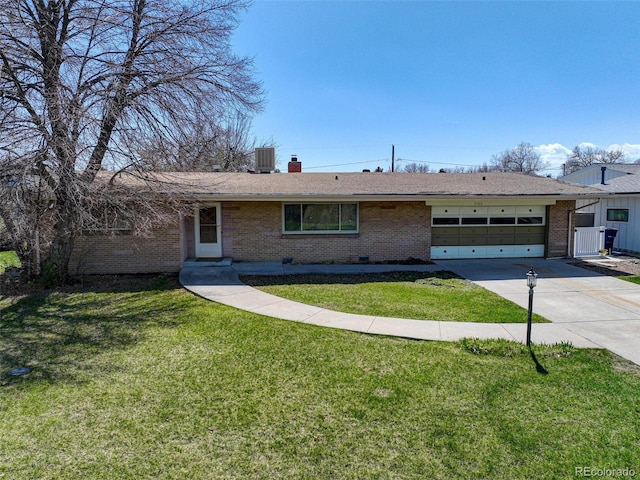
(346,218)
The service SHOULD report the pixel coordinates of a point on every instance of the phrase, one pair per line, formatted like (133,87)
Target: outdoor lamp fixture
(532,280)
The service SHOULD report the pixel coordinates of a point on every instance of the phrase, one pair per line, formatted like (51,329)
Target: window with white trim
(320,218)
(107,221)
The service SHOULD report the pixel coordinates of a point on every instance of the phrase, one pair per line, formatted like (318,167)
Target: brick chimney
(294,165)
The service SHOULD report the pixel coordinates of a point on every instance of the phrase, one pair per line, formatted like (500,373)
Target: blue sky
(448,83)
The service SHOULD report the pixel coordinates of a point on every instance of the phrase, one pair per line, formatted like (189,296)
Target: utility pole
(393,157)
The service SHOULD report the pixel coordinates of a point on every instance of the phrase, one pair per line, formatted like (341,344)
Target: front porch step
(207,262)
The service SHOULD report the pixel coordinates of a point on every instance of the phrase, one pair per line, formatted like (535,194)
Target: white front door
(208,238)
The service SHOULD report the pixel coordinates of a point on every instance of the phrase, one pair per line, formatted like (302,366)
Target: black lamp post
(532,280)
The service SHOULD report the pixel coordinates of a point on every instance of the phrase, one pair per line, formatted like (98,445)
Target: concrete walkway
(587,309)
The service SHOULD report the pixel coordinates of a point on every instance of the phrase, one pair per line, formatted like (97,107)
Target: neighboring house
(619,206)
(346,218)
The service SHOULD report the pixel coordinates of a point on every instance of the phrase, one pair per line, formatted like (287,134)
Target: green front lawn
(8,259)
(140,379)
(632,279)
(422,296)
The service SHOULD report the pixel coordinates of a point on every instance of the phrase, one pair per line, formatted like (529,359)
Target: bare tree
(85,85)
(485,167)
(474,169)
(523,158)
(415,167)
(214,144)
(423,168)
(581,157)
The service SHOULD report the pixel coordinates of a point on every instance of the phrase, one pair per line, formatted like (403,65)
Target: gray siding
(628,237)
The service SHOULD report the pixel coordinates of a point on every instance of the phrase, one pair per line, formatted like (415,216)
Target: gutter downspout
(569,232)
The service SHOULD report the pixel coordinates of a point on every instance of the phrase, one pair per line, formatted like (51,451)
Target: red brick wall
(189,237)
(558,228)
(252,231)
(162,251)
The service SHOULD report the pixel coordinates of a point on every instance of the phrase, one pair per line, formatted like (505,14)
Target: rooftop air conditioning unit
(265,159)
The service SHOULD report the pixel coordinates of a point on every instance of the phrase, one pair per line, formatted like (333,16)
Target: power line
(437,163)
(449,147)
(381,160)
(407,160)
(345,147)
(458,164)
(339,147)
(347,164)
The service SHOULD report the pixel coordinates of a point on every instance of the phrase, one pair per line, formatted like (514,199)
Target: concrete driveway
(602,309)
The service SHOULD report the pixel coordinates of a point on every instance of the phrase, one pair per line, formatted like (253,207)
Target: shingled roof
(361,186)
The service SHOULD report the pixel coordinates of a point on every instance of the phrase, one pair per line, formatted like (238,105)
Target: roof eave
(367,197)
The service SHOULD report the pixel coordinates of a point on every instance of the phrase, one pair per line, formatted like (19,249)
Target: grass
(433,296)
(631,278)
(8,259)
(139,379)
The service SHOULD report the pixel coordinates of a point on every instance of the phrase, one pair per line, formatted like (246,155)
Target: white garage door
(487,232)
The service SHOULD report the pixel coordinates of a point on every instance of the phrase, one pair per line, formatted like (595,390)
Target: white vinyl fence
(588,241)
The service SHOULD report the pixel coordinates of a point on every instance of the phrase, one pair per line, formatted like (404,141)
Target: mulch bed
(615,267)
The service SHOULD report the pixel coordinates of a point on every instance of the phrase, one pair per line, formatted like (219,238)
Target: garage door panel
(473,240)
(473,231)
(501,251)
(502,230)
(445,211)
(442,231)
(529,230)
(438,240)
(474,211)
(529,239)
(501,240)
(511,211)
(444,252)
(533,210)
(472,252)
(529,251)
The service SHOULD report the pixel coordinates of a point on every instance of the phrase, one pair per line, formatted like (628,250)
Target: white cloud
(554,155)
(632,151)
(588,145)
